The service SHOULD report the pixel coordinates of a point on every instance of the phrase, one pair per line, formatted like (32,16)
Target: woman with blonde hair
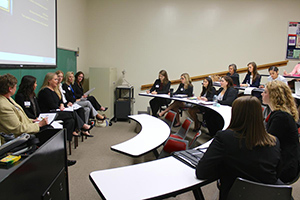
(70,96)
(185,87)
(243,150)
(281,122)
(49,101)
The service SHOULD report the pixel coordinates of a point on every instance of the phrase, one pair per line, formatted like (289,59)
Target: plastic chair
(243,189)
(170,118)
(184,129)
(177,144)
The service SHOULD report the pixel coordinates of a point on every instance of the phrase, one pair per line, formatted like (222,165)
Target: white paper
(76,106)
(56,125)
(51,117)
(248,90)
(88,92)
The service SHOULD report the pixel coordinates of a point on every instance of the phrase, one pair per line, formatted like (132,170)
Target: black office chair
(243,189)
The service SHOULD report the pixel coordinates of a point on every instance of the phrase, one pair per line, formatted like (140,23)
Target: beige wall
(72,28)
(194,36)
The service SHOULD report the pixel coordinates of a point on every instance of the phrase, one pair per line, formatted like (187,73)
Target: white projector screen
(28,33)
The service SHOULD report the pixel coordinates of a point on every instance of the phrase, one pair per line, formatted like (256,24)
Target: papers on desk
(248,90)
(56,125)
(51,117)
(180,95)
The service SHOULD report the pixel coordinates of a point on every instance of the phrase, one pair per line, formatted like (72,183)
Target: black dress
(29,105)
(78,91)
(227,158)
(283,126)
(156,102)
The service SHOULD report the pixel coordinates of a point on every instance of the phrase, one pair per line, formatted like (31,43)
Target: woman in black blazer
(244,150)
(252,78)
(160,86)
(207,94)
(227,93)
(281,122)
(78,91)
(26,97)
(185,87)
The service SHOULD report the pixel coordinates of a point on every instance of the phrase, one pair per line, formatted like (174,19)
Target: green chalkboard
(66,61)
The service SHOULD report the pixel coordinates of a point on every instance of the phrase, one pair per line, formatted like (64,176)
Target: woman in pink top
(295,72)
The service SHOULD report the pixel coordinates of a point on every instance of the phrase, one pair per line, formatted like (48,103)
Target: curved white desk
(153,134)
(150,180)
(222,110)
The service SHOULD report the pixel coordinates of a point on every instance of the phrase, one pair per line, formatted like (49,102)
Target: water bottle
(215,100)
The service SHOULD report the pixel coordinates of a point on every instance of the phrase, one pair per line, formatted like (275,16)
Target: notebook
(189,157)
(297,88)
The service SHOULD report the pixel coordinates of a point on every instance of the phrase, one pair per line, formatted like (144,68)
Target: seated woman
(295,72)
(78,91)
(68,90)
(26,97)
(233,74)
(274,75)
(160,86)
(227,93)
(252,79)
(243,150)
(13,118)
(185,87)
(50,102)
(207,94)
(281,123)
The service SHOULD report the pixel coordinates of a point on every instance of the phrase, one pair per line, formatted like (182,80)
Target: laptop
(297,88)
(189,157)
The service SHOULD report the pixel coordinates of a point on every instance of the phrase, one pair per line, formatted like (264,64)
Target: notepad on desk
(189,157)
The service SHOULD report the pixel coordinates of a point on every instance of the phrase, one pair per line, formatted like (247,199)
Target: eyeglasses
(80,76)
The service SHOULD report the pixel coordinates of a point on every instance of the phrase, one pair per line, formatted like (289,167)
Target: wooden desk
(223,111)
(153,134)
(156,179)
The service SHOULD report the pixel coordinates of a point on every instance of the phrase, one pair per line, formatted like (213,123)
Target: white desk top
(146,180)
(224,111)
(154,133)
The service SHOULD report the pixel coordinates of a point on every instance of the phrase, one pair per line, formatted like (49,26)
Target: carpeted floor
(95,154)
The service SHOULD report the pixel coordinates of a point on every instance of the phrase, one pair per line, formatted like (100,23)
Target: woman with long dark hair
(207,94)
(78,91)
(252,78)
(26,97)
(243,150)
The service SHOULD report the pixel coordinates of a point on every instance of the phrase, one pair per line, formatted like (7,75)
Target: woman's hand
(147,91)
(153,92)
(84,96)
(69,104)
(203,99)
(61,107)
(43,122)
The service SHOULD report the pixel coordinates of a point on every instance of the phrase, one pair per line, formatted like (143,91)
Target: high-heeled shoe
(104,117)
(78,135)
(85,134)
(91,126)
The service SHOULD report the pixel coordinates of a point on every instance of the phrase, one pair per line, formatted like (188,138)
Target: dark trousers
(68,122)
(214,121)
(156,103)
(94,102)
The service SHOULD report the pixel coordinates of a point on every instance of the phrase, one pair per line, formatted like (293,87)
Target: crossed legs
(175,107)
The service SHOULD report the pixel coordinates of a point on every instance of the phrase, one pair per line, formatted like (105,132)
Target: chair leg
(81,137)
(75,142)
(70,147)
(198,194)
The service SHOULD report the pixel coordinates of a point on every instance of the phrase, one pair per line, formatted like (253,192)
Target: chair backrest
(175,144)
(170,118)
(184,129)
(194,139)
(243,189)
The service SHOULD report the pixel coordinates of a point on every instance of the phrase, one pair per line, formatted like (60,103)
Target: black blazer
(229,96)
(70,96)
(28,105)
(210,94)
(235,78)
(283,126)
(181,90)
(227,158)
(159,88)
(78,90)
(255,83)
(48,100)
